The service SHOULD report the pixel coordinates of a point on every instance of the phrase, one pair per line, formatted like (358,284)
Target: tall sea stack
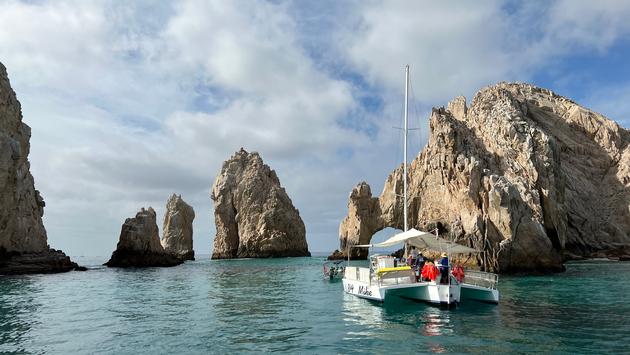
(178,228)
(254,216)
(527,176)
(23,241)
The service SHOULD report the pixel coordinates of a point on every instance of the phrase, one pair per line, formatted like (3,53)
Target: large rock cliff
(23,241)
(527,176)
(178,228)
(254,216)
(139,244)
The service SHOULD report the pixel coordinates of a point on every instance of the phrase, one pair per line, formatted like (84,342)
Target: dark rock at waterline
(337,255)
(129,258)
(43,262)
(139,244)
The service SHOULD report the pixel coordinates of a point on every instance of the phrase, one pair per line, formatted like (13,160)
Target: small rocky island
(254,216)
(178,228)
(527,176)
(23,241)
(139,244)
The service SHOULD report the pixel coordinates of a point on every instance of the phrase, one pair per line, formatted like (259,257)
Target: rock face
(23,241)
(178,228)
(254,216)
(527,176)
(139,244)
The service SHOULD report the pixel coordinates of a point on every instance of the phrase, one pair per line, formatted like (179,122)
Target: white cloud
(584,24)
(456,47)
(451,47)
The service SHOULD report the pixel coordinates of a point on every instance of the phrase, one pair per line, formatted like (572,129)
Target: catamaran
(384,279)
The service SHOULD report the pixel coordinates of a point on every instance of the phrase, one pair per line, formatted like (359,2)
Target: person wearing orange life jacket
(458,272)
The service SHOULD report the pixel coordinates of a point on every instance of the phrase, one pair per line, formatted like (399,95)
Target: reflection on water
(435,322)
(283,305)
(364,317)
(378,321)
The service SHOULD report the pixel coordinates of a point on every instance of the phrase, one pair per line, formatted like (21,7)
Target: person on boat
(429,272)
(420,261)
(414,255)
(443,266)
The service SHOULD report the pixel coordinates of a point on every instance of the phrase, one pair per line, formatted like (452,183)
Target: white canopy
(424,240)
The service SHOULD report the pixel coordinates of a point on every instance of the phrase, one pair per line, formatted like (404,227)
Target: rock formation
(178,228)
(139,244)
(254,216)
(527,176)
(23,241)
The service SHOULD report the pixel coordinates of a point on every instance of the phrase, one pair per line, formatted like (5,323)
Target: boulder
(139,244)
(527,176)
(23,241)
(178,228)
(254,216)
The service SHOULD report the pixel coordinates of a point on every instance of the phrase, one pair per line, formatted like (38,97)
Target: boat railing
(396,276)
(358,273)
(481,279)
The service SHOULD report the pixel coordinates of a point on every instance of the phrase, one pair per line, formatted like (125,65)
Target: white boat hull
(430,292)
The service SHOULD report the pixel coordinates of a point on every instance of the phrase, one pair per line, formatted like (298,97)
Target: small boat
(334,269)
(384,279)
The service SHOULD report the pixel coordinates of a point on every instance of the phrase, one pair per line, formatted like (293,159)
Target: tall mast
(405,147)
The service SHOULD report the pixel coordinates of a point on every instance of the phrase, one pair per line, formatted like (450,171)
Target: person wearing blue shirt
(443,266)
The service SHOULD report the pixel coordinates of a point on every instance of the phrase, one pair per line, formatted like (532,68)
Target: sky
(130,102)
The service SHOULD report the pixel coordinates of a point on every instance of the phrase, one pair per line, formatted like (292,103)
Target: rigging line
(397,137)
(417,115)
(400,137)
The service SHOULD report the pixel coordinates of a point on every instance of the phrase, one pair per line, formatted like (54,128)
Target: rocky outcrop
(178,228)
(139,244)
(23,241)
(527,176)
(254,216)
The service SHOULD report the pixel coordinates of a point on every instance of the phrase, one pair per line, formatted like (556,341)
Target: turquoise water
(283,305)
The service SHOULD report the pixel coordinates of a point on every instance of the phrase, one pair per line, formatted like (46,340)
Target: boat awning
(424,240)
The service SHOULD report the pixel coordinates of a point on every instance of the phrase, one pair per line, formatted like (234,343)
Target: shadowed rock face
(527,176)
(178,228)
(139,244)
(23,241)
(254,216)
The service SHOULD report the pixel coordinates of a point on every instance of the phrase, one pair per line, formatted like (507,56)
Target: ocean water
(284,305)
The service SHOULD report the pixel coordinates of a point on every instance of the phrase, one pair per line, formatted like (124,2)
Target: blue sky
(129,102)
